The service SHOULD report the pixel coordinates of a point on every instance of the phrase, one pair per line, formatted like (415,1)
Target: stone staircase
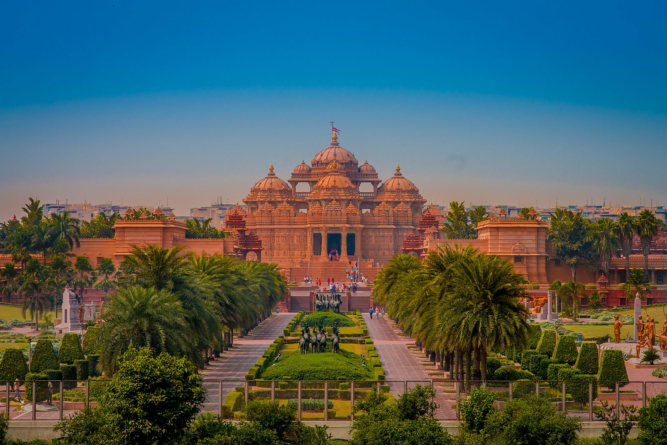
(324,269)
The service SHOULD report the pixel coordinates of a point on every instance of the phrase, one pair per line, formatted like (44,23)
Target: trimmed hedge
(44,357)
(54,374)
(13,364)
(544,368)
(90,345)
(587,360)
(327,319)
(612,369)
(81,369)
(70,349)
(566,350)
(552,373)
(547,342)
(565,374)
(579,391)
(509,373)
(309,404)
(42,386)
(292,324)
(534,335)
(525,359)
(535,360)
(93,361)
(233,402)
(69,374)
(522,388)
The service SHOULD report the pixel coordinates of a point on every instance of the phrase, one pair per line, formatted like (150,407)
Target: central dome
(271,183)
(334,152)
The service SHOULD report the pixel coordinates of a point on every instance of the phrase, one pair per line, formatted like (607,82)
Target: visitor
(382,312)
(328,281)
(49,400)
(370,311)
(377,313)
(17,387)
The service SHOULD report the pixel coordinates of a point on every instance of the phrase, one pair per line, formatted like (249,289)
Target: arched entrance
(334,242)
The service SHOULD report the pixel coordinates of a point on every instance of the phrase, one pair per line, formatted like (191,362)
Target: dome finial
(334,165)
(271,168)
(334,132)
(398,168)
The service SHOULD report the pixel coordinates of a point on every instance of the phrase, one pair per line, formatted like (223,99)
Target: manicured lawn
(5,346)
(353,348)
(598,331)
(342,407)
(8,312)
(318,366)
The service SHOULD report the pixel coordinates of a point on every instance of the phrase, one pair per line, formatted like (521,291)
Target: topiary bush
(544,368)
(69,376)
(326,319)
(552,373)
(93,360)
(13,364)
(54,374)
(90,345)
(509,373)
(566,350)
(42,386)
(612,369)
(70,349)
(565,374)
(535,363)
(492,365)
(578,388)
(547,343)
(44,357)
(587,360)
(534,335)
(81,369)
(525,359)
(522,388)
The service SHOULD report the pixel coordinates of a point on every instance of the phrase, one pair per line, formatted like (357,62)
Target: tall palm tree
(84,281)
(570,239)
(605,239)
(391,275)
(106,269)
(60,277)
(65,227)
(636,284)
(625,230)
(100,227)
(9,273)
(34,289)
(646,227)
(574,292)
(34,212)
(456,221)
(138,317)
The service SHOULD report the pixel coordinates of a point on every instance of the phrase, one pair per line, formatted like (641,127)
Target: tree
(477,215)
(196,229)
(625,230)
(34,290)
(636,283)
(570,239)
(84,281)
(100,227)
(570,292)
(9,273)
(456,221)
(65,227)
(646,227)
(140,317)
(106,270)
(605,241)
(34,212)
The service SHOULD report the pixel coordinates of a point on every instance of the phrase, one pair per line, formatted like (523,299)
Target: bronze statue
(663,333)
(618,324)
(649,329)
(82,311)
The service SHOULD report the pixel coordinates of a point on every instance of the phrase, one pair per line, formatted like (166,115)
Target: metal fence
(334,400)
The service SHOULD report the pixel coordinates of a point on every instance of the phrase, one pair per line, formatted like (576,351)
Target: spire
(398,168)
(271,168)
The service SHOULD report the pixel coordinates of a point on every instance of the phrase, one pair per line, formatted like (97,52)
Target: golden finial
(271,168)
(334,165)
(398,168)
(334,137)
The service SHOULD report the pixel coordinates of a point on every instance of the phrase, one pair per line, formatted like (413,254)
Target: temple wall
(96,249)
(209,246)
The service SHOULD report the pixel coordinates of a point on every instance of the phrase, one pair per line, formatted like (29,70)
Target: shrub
(618,427)
(566,350)
(492,365)
(69,374)
(535,363)
(525,359)
(566,374)
(90,345)
(653,421)
(321,366)
(70,349)
(309,404)
(612,369)
(522,388)
(44,357)
(54,374)
(233,402)
(578,389)
(534,335)
(81,369)
(476,409)
(509,373)
(534,421)
(544,368)
(587,360)
(42,386)
(509,354)
(327,319)
(547,342)
(93,370)
(98,387)
(552,373)
(13,364)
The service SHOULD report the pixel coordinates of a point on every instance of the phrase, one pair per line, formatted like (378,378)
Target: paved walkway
(401,364)
(233,365)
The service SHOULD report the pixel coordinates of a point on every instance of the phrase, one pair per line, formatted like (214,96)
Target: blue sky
(488,102)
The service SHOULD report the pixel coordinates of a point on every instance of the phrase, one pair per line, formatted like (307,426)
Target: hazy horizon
(517,105)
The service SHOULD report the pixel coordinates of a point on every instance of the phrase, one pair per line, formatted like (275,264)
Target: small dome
(302,168)
(158,212)
(271,183)
(367,168)
(334,180)
(334,152)
(398,182)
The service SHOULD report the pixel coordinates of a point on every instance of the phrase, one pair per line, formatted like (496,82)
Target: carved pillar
(343,243)
(357,243)
(325,254)
(309,243)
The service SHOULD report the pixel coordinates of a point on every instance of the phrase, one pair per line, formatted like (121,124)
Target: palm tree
(138,317)
(605,240)
(9,273)
(570,239)
(525,212)
(456,221)
(84,281)
(105,270)
(60,277)
(636,284)
(34,213)
(646,227)
(34,290)
(625,230)
(477,215)
(65,227)
(100,227)
(391,275)
(572,291)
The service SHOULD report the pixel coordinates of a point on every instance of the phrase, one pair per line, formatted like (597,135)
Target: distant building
(86,211)
(215,211)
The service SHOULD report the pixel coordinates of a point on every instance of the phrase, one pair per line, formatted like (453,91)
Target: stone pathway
(233,365)
(400,365)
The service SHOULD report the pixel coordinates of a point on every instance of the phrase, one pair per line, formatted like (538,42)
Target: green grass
(10,312)
(598,331)
(327,319)
(318,366)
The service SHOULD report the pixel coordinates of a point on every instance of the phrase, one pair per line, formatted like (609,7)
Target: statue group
(324,303)
(317,342)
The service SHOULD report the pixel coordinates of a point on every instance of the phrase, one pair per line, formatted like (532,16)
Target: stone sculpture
(618,324)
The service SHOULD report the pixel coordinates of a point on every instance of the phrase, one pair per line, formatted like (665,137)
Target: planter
(611,397)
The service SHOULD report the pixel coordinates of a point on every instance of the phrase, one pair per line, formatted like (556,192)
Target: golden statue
(640,334)
(649,329)
(618,324)
(663,333)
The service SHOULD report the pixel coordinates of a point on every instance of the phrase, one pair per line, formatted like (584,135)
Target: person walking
(49,401)
(382,312)
(377,313)
(370,311)
(17,389)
